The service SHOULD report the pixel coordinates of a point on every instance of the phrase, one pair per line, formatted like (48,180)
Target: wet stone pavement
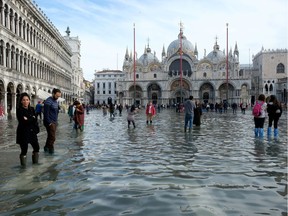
(217,169)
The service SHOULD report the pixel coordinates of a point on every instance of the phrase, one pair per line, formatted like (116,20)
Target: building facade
(33,54)
(269,74)
(77,79)
(105,85)
(205,78)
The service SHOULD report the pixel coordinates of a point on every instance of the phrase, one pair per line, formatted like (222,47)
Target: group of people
(28,127)
(271,106)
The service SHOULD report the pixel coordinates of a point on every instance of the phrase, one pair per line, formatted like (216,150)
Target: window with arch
(280,68)
(266,88)
(271,88)
(204,74)
(155,75)
(137,76)
(241,72)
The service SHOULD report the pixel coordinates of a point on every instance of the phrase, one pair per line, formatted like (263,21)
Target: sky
(105,27)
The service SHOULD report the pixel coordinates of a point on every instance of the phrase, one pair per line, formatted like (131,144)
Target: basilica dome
(148,57)
(174,46)
(216,54)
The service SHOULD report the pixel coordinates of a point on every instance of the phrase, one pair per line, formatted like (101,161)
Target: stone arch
(154,92)
(223,91)
(136,94)
(19,90)
(11,100)
(174,68)
(244,93)
(207,92)
(178,93)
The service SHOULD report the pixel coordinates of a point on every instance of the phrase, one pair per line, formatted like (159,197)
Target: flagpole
(134,66)
(181,99)
(227,62)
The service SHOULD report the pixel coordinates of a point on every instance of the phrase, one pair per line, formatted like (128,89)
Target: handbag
(36,127)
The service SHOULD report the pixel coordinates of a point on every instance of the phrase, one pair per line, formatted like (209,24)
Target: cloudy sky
(105,27)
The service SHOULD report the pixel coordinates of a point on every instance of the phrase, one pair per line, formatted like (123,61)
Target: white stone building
(77,79)
(105,85)
(204,78)
(269,74)
(34,57)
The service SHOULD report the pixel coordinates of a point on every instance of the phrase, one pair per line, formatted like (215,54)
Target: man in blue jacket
(51,110)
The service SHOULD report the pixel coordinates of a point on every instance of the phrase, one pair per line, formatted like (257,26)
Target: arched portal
(121,96)
(135,94)
(178,92)
(19,90)
(244,94)
(10,97)
(207,93)
(226,93)
(154,93)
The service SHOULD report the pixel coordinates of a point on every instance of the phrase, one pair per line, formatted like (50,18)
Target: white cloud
(105,28)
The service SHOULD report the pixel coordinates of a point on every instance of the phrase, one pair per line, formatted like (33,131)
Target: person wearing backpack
(259,112)
(274,110)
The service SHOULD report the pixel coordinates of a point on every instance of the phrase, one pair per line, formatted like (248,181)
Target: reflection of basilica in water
(205,79)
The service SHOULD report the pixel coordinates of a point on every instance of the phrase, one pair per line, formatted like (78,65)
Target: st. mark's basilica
(204,78)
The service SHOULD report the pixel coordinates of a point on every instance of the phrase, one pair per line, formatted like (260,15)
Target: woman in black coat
(197,115)
(274,110)
(27,129)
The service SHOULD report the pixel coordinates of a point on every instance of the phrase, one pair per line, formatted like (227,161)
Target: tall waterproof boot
(256,132)
(261,132)
(275,132)
(22,160)
(269,131)
(35,157)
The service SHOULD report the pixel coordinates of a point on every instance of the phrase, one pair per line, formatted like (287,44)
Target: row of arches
(207,92)
(10,92)
(31,32)
(23,62)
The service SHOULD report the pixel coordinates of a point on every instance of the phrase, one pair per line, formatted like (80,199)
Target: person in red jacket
(150,112)
(78,116)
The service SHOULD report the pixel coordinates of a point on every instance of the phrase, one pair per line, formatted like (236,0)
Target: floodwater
(217,169)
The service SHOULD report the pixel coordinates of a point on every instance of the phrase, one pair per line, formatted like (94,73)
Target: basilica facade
(161,81)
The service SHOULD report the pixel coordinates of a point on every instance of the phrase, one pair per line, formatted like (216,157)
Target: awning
(43,95)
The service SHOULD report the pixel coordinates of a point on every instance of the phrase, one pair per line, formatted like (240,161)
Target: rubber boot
(275,132)
(256,132)
(147,122)
(269,130)
(150,121)
(35,157)
(261,132)
(185,129)
(23,160)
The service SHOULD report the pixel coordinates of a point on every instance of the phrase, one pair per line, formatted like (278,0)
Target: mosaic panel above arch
(176,85)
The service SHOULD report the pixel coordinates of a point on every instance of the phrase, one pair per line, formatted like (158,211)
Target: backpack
(257,109)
